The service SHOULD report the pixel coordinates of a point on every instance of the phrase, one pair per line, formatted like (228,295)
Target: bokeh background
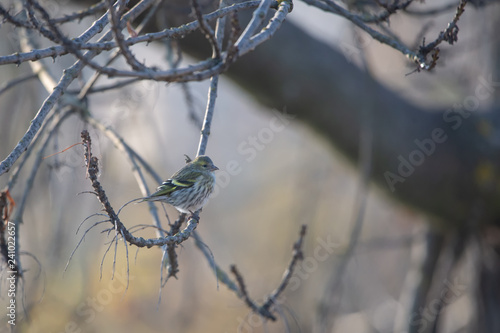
(292,176)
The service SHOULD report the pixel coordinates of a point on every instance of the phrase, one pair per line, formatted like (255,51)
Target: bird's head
(204,163)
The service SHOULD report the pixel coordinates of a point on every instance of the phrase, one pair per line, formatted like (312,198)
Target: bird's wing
(178,181)
(171,185)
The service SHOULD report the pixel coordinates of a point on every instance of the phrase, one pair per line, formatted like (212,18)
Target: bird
(189,188)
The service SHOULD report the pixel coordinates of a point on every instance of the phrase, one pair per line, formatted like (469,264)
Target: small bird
(189,188)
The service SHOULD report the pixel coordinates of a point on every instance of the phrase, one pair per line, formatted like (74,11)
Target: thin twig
(87,89)
(266,309)
(12,83)
(244,295)
(220,274)
(389,9)
(209,113)
(116,27)
(17,170)
(296,257)
(258,17)
(94,9)
(56,123)
(432,11)
(132,157)
(80,242)
(14,21)
(212,91)
(330,6)
(284,8)
(172,263)
(205,28)
(30,5)
(450,34)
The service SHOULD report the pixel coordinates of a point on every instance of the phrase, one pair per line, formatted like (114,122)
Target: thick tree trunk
(443,162)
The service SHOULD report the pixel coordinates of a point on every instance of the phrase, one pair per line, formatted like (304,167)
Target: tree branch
(69,75)
(93,170)
(266,309)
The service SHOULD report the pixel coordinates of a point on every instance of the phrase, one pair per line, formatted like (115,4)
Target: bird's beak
(215,168)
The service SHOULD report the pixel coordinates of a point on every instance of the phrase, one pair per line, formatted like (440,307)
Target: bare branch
(171,258)
(56,123)
(207,122)
(330,6)
(69,75)
(52,35)
(220,274)
(90,83)
(116,27)
(244,295)
(14,21)
(433,11)
(449,34)
(12,83)
(205,28)
(93,170)
(133,157)
(284,8)
(296,257)
(257,19)
(389,9)
(94,9)
(266,308)
(99,25)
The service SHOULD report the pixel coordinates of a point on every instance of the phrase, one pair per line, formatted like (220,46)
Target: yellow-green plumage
(189,188)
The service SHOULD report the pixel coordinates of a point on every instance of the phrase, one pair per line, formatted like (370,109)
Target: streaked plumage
(189,188)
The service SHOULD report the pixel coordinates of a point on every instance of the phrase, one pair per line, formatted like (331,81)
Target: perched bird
(189,188)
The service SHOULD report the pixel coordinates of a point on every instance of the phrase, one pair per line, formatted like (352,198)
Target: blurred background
(277,172)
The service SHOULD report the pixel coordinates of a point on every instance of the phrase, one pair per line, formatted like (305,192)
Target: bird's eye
(205,165)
